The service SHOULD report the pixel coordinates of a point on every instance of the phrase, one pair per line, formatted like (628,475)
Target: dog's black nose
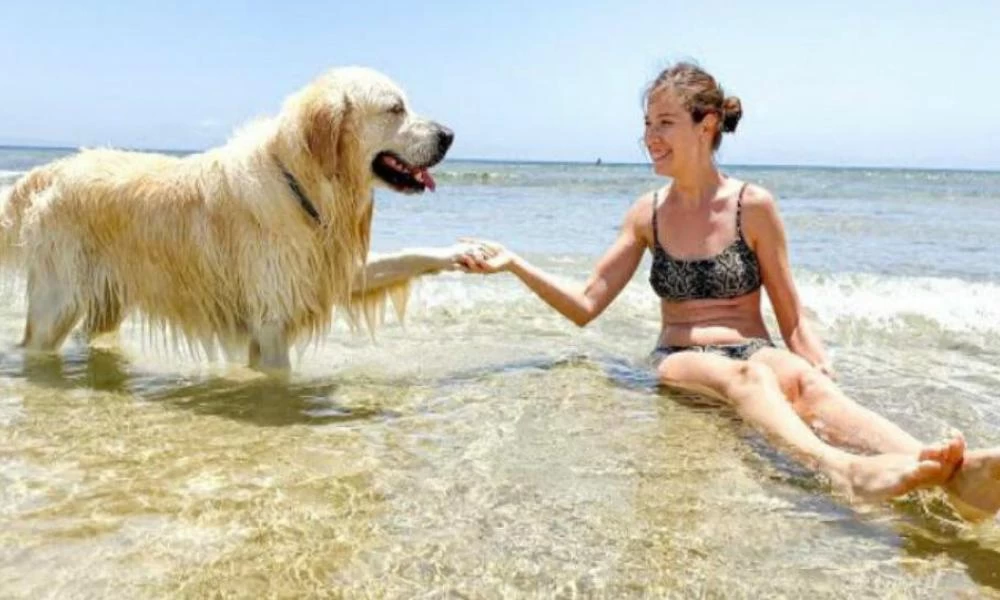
(445,138)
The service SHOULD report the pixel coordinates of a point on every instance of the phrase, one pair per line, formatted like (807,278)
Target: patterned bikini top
(731,273)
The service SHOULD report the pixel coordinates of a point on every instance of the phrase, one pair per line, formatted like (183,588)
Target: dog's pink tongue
(425,177)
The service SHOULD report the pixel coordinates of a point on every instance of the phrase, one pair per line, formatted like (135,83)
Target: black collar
(297,190)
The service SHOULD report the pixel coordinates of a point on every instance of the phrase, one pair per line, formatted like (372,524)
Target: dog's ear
(331,134)
(350,169)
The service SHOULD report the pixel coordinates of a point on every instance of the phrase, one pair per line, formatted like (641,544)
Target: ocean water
(487,448)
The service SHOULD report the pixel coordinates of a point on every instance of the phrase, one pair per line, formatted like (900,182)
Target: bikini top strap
(656,237)
(739,209)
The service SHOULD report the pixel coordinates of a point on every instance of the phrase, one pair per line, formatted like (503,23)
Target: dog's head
(357,119)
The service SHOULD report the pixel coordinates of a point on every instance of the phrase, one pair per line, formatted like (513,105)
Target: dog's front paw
(452,256)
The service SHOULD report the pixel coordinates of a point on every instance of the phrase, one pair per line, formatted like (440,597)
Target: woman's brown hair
(701,95)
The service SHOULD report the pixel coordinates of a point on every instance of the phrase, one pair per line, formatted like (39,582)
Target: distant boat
(598,163)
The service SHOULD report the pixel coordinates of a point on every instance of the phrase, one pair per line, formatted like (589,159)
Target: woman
(716,242)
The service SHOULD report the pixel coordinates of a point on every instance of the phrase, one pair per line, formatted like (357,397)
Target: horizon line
(555,161)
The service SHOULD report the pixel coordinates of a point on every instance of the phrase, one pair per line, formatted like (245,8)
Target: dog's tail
(14,202)
(9,228)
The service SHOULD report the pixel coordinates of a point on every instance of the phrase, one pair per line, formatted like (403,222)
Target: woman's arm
(612,272)
(765,231)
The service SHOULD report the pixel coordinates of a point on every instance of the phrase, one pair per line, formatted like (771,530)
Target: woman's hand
(493,258)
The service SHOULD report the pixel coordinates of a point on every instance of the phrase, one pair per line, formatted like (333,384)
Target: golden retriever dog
(248,247)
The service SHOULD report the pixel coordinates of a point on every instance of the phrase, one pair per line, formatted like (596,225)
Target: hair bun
(732,111)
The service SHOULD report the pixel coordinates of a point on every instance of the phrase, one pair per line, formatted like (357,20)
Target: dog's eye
(397,108)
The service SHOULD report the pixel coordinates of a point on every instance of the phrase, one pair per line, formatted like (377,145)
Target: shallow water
(489,448)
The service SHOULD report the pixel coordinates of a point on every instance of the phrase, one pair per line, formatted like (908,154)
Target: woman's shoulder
(644,203)
(754,196)
(639,217)
(648,199)
(759,210)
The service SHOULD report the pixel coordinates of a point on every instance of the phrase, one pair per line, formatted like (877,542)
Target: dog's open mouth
(400,175)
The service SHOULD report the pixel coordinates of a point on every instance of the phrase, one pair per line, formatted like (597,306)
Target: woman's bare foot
(975,489)
(876,478)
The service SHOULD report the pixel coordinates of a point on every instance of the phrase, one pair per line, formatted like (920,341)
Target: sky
(875,83)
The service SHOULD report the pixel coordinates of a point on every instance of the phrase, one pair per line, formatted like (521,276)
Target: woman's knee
(809,387)
(750,376)
(799,381)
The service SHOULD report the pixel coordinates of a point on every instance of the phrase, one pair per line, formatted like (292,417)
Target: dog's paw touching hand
(457,253)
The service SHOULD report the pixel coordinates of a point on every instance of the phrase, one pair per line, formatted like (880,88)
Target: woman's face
(676,144)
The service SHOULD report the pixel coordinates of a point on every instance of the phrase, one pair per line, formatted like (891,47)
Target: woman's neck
(696,187)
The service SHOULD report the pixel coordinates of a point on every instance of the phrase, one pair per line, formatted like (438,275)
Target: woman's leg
(753,390)
(975,489)
(834,416)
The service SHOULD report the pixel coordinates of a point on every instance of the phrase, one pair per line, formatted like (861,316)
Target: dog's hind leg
(53,311)
(269,348)
(103,317)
